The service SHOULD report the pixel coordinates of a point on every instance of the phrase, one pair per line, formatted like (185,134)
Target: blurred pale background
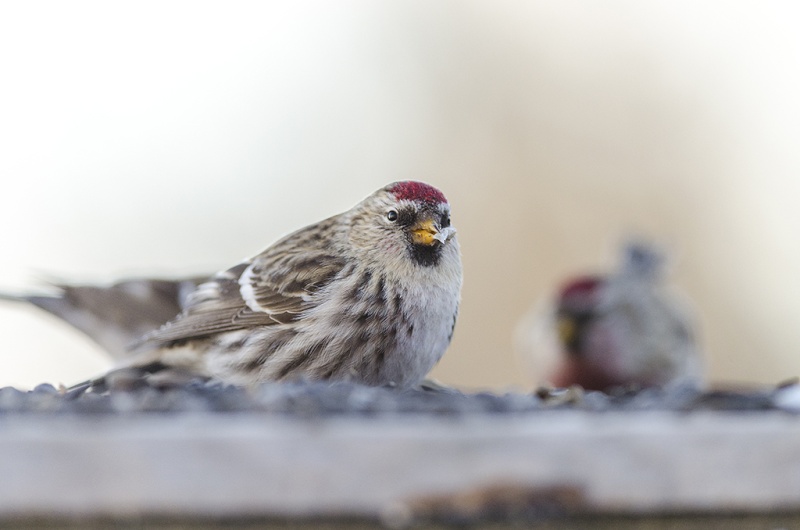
(168,138)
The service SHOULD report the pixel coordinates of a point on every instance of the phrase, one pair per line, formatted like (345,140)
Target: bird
(370,295)
(624,330)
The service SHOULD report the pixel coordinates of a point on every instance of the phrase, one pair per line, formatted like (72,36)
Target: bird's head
(576,306)
(409,218)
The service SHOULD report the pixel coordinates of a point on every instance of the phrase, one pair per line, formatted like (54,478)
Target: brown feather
(283,286)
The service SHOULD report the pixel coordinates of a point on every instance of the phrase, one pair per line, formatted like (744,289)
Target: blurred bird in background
(623,329)
(370,295)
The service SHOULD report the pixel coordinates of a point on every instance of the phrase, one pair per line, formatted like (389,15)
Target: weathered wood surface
(399,467)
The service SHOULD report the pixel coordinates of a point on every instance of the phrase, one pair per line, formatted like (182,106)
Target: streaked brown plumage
(370,295)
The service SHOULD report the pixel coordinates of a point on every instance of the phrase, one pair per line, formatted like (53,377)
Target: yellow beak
(566,330)
(424,233)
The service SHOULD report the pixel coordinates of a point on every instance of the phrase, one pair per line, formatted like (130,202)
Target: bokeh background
(172,138)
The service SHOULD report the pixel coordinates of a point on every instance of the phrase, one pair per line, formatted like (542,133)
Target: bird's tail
(642,258)
(118,315)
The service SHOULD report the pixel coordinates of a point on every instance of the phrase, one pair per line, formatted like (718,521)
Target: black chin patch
(426,255)
(581,320)
(423,255)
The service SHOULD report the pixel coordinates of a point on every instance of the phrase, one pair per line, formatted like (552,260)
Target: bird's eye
(391,215)
(445,220)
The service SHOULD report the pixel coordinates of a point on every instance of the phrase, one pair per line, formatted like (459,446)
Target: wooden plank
(395,468)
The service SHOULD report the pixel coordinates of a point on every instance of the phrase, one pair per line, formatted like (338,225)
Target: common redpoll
(624,329)
(370,295)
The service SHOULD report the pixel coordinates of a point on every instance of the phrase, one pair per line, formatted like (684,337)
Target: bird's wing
(273,288)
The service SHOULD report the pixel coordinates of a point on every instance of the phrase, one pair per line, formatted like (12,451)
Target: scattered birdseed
(314,399)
